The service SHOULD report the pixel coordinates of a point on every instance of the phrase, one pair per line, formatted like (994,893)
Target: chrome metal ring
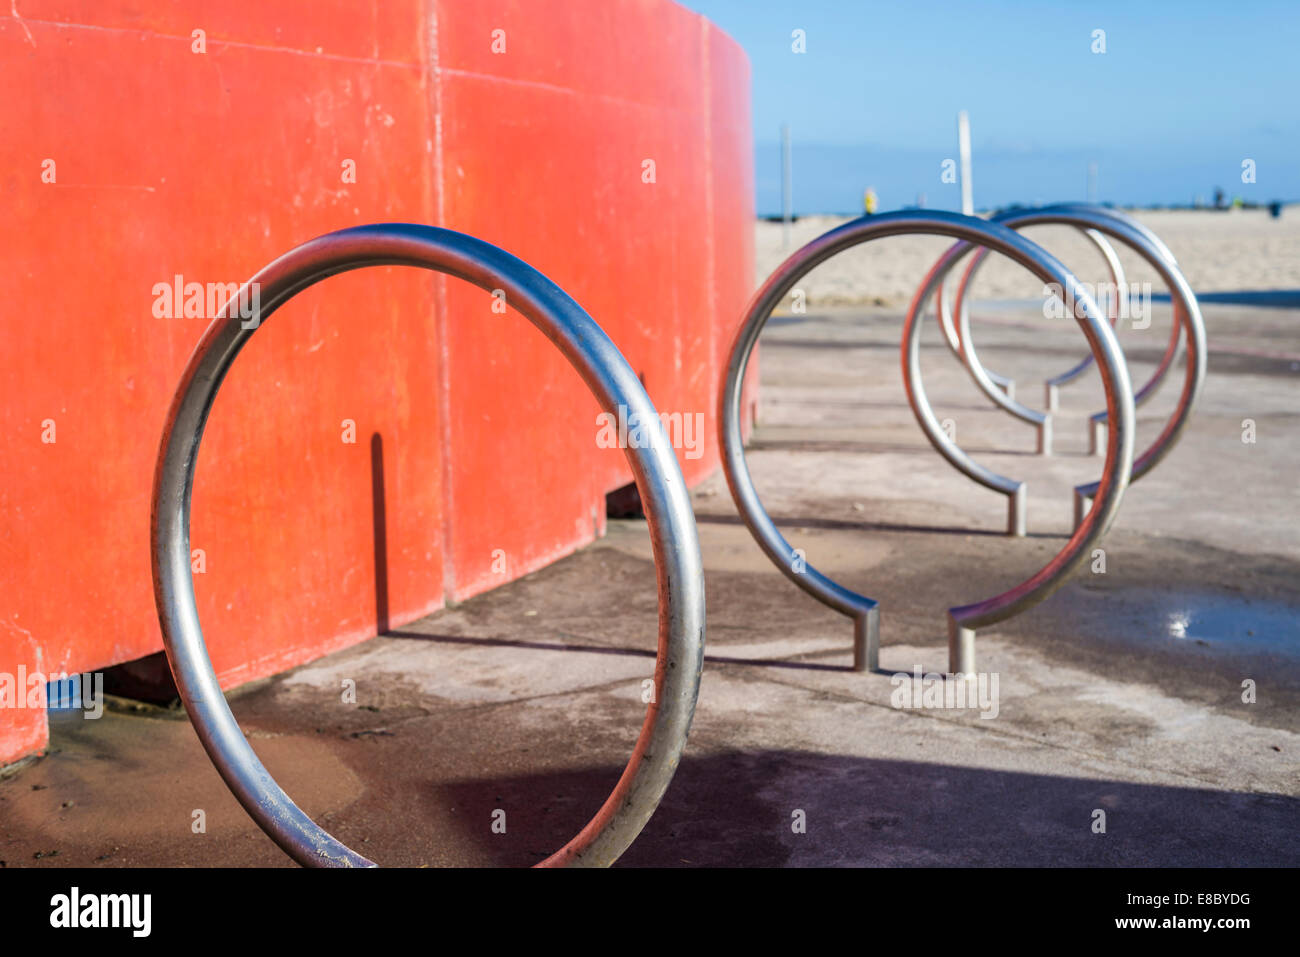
(1006,386)
(655,468)
(1155,247)
(1188,324)
(962,620)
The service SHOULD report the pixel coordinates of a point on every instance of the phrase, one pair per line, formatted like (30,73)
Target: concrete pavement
(1120,699)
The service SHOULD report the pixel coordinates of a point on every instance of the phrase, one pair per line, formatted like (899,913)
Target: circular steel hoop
(658,477)
(1006,386)
(1097,421)
(1146,243)
(1118,281)
(965,619)
(1188,324)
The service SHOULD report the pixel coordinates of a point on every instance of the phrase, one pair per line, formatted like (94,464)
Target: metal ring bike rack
(1097,422)
(1187,319)
(1149,247)
(658,478)
(1006,386)
(962,620)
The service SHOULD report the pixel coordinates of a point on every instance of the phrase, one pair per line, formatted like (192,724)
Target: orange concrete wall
(474,439)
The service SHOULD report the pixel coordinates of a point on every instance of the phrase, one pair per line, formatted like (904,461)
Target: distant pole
(963,147)
(785,184)
(1092,182)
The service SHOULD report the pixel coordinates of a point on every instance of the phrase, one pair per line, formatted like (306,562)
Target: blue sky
(1183,94)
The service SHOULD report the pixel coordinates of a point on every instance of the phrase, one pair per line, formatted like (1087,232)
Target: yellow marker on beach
(869,201)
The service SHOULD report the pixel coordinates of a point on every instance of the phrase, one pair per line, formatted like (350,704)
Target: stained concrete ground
(1122,693)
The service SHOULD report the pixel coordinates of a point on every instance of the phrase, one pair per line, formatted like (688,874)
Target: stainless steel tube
(965,619)
(658,477)
(1097,422)
(1188,324)
(1052,385)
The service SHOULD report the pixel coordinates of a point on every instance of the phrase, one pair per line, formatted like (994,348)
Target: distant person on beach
(869,201)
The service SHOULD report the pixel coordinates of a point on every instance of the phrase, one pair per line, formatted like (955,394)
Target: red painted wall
(168,161)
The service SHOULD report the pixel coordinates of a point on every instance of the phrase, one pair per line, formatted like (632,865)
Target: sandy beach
(1229,251)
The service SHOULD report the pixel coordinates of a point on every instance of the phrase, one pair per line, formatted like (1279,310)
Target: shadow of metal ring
(658,477)
(864,611)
